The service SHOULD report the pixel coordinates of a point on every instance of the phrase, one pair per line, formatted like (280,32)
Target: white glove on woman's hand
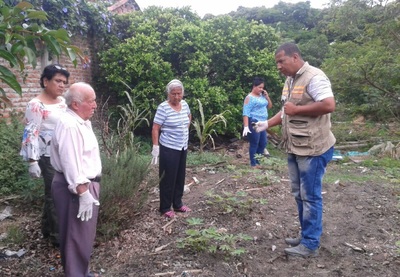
(261,126)
(246,130)
(86,202)
(34,169)
(155,153)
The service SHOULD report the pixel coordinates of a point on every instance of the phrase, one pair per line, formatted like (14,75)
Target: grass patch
(239,203)
(212,240)
(354,173)
(382,163)
(196,158)
(15,235)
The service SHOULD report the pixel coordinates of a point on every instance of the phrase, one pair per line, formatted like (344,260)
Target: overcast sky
(217,7)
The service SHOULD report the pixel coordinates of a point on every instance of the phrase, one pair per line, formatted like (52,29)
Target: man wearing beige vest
(307,100)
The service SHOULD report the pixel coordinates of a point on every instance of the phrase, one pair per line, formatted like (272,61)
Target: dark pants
(257,141)
(172,170)
(76,236)
(49,217)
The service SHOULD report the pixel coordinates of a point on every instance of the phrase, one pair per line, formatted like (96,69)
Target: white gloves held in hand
(261,126)
(155,153)
(246,130)
(86,202)
(34,169)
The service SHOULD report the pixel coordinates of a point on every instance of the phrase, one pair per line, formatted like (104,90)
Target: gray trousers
(76,236)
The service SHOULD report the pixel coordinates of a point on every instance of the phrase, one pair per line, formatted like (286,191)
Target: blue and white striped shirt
(174,125)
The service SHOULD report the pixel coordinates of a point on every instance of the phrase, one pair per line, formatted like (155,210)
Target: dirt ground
(361,227)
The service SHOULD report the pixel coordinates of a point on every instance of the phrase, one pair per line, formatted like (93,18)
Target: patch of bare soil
(361,227)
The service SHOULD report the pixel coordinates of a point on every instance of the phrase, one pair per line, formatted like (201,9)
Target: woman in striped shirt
(170,136)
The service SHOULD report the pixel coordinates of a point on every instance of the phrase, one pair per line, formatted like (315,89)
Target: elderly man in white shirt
(75,157)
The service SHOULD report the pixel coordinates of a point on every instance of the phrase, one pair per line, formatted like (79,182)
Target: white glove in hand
(86,202)
(246,130)
(155,153)
(261,126)
(34,169)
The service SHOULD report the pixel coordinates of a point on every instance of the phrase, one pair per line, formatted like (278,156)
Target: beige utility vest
(305,135)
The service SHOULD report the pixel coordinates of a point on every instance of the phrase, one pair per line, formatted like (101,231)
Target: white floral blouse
(40,121)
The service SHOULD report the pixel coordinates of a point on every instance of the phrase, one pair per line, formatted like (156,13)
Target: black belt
(96,179)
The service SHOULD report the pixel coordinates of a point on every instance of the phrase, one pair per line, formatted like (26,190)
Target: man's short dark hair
(289,48)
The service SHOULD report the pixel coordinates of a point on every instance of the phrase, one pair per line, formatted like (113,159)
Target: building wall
(31,86)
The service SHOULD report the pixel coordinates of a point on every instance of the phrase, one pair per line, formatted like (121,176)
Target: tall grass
(125,182)
(124,189)
(205,129)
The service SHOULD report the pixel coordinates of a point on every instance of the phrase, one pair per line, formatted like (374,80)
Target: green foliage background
(13,171)
(216,60)
(355,42)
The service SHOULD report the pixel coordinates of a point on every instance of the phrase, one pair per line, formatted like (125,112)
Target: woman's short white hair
(175,83)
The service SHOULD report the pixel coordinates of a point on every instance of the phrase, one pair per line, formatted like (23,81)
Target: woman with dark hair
(41,115)
(170,136)
(255,108)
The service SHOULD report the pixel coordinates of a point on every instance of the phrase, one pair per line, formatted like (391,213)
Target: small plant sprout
(213,240)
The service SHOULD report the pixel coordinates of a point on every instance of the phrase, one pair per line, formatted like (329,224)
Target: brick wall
(31,87)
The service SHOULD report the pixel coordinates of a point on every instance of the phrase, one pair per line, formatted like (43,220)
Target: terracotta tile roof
(124,6)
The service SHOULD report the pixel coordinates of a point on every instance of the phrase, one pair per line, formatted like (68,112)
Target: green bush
(125,173)
(123,190)
(14,177)
(215,59)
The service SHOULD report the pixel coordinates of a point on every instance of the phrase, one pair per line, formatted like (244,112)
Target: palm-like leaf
(205,129)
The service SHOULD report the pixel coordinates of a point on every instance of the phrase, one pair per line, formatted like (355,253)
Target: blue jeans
(306,173)
(257,141)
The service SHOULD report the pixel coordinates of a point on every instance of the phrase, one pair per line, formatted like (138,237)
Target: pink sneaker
(183,209)
(169,214)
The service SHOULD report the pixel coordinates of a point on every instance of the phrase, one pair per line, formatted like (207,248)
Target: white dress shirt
(74,150)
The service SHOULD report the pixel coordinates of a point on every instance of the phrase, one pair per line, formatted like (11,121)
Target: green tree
(364,61)
(315,49)
(216,59)
(21,36)
(291,21)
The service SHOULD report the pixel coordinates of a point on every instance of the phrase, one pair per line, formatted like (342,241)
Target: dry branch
(158,249)
(169,223)
(165,273)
